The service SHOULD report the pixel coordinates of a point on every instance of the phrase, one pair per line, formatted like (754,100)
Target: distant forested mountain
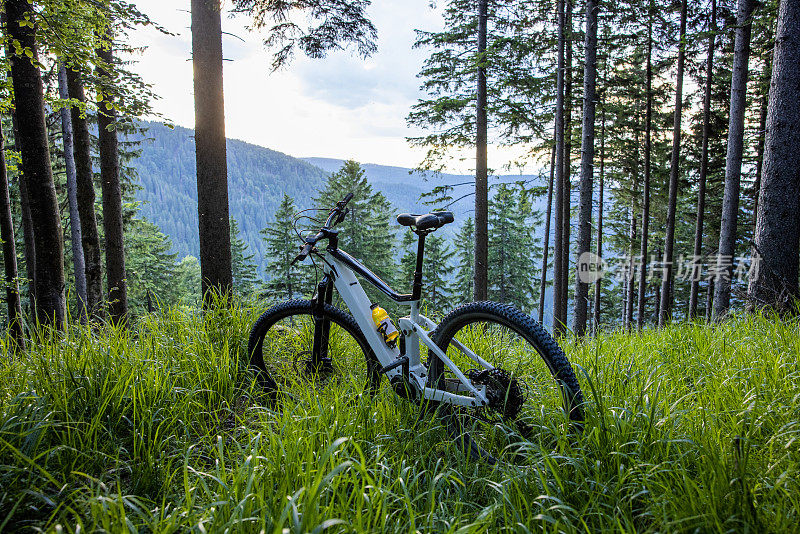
(257,179)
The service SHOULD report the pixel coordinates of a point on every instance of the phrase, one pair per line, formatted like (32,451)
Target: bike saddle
(428,221)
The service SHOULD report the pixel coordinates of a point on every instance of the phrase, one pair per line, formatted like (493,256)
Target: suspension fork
(322,325)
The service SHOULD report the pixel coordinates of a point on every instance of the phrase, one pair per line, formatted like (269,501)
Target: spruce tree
(512,251)
(437,287)
(284,281)
(408,262)
(366,232)
(465,258)
(187,276)
(245,276)
(150,267)
(480,83)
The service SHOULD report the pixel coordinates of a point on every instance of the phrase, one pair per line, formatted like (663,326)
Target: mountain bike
(493,374)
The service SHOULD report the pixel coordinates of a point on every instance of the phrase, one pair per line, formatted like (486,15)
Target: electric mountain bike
(494,375)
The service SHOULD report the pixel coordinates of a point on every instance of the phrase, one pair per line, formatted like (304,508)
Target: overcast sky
(339,107)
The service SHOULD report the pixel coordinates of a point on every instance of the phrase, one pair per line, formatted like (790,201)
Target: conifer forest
(624,174)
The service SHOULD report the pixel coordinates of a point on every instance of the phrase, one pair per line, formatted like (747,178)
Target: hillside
(257,179)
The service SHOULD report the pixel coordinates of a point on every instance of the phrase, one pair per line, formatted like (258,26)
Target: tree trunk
(733,162)
(545,253)
(210,150)
(481,167)
(628,321)
(29,251)
(672,199)
(701,188)
(648,149)
(778,229)
(658,294)
(84,179)
(72,195)
(762,126)
(111,187)
(567,194)
(29,102)
(587,163)
(27,222)
(597,284)
(559,321)
(9,254)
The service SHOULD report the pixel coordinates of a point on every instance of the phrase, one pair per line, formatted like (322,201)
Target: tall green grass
(160,428)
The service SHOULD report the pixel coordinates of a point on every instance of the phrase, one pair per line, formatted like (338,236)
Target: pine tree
(111,187)
(733,166)
(245,276)
(437,289)
(150,266)
(512,252)
(437,269)
(366,232)
(480,83)
(777,236)
(9,254)
(587,161)
(210,153)
(50,303)
(408,261)
(667,291)
(187,276)
(284,280)
(465,256)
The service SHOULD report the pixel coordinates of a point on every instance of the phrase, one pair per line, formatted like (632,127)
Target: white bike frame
(415,327)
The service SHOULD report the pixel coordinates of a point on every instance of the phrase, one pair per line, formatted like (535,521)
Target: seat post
(416,290)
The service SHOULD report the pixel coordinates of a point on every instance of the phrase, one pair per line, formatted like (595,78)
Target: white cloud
(341,106)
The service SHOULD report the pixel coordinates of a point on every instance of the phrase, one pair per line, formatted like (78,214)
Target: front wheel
(281,350)
(532,390)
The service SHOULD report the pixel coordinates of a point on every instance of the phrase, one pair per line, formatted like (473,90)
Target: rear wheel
(281,352)
(532,390)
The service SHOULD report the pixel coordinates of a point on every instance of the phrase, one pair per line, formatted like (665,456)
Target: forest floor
(159,428)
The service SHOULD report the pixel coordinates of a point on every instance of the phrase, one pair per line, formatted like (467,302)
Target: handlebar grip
(346,199)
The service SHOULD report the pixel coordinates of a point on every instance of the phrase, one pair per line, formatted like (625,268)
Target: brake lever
(304,252)
(341,216)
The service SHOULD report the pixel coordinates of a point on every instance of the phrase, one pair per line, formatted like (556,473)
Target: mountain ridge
(257,178)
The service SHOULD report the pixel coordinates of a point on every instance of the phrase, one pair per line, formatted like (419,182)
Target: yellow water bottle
(384,325)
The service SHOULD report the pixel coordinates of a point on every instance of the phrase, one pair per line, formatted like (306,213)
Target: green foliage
(150,266)
(245,276)
(365,233)
(463,284)
(437,269)
(326,25)
(284,281)
(188,280)
(512,249)
(518,48)
(437,292)
(160,428)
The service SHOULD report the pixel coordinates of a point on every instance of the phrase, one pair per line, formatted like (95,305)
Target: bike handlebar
(336,215)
